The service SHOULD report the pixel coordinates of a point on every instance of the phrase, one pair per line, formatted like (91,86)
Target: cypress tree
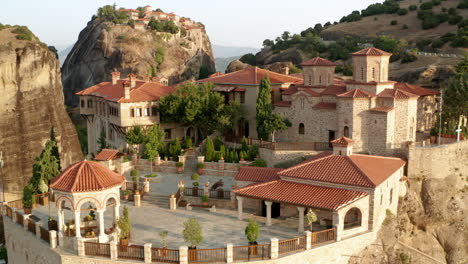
(209,154)
(263,107)
(55,149)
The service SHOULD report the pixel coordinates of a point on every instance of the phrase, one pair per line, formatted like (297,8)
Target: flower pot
(180,170)
(433,139)
(205,204)
(27,210)
(126,197)
(124,242)
(200,171)
(182,203)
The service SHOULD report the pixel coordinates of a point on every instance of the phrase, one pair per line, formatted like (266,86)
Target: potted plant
(88,218)
(205,199)
(43,188)
(135,180)
(52,224)
(163,235)
(180,167)
(200,167)
(124,225)
(27,199)
(126,193)
(193,235)
(195,177)
(252,233)
(195,188)
(90,234)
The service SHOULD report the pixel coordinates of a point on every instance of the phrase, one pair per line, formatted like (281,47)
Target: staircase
(161,201)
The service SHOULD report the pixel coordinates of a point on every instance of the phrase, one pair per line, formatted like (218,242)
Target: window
(301,129)
(167,133)
(373,73)
(154,111)
(320,79)
(310,80)
(302,103)
(147,111)
(362,73)
(391,195)
(346,131)
(242,98)
(381,199)
(132,112)
(138,111)
(82,104)
(90,103)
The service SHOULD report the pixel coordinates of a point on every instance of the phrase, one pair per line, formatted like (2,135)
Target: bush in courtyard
(124,224)
(205,198)
(200,165)
(152,175)
(27,196)
(402,11)
(413,7)
(179,164)
(195,184)
(192,233)
(163,235)
(210,151)
(134,173)
(393,22)
(195,177)
(311,217)
(259,163)
(252,231)
(188,143)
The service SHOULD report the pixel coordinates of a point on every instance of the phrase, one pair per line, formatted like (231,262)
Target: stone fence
(159,165)
(221,168)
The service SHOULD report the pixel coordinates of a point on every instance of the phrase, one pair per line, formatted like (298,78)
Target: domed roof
(86,176)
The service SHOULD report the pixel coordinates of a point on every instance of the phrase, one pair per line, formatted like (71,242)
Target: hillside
(32,103)
(177,52)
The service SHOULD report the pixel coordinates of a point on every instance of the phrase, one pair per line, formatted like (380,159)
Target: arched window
(301,129)
(362,73)
(391,195)
(320,79)
(373,73)
(353,218)
(302,103)
(310,80)
(132,112)
(346,131)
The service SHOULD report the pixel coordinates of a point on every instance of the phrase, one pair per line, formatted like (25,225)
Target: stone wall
(438,161)
(273,157)
(221,168)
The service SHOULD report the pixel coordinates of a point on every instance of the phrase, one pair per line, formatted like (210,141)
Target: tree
(275,123)
(209,154)
(311,217)
(102,142)
(263,107)
(154,141)
(252,231)
(268,43)
(135,136)
(192,232)
(55,149)
(456,94)
(124,224)
(45,167)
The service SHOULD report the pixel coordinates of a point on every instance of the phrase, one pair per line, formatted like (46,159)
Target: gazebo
(86,182)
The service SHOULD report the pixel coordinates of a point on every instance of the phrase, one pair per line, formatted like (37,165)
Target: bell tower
(371,65)
(318,72)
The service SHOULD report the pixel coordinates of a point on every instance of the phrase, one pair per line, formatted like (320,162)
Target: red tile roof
(257,174)
(414,89)
(215,74)
(382,109)
(318,62)
(357,93)
(396,93)
(356,170)
(342,142)
(334,90)
(142,92)
(323,105)
(371,52)
(107,154)
(240,90)
(283,104)
(86,176)
(252,76)
(301,194)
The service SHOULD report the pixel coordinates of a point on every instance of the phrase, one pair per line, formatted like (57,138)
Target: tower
(318,72)
(371,65)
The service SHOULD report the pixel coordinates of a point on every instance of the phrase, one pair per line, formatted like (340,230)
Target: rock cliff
(103,47)
(31,103)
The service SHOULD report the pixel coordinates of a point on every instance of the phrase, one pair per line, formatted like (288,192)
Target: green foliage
(188,143)
(413,8)
(124,224)
(404,258)
(205,198)
(175,149)
(135,136)
(461,38)
(438,43)
(426,6)
(393,22)
(252,231)
(200,165)
(245,146)
(209,154)
(346,69)
(163,26)
(23,33)
(253,152)
(54,148)
(179,164)
(402,11)
(463,4)
(195,184)
(163,235)
(134,173)
(154,141)
(264,107)
(388,217)
(455,103)
(405,26)
(391,45)
(423,43)
(249,59)
(311,217)
(205,71)
(192,232)
(82,132)
(453,20)
(3,251)
(109,13)
(354,16)
(293,69)
(259,163)
(45,167)
(27,196)
(131,22)
(152,175)
(195,177)
(408,57)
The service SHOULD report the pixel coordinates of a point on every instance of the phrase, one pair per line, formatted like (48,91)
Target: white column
(116,213)
(268,212)
(60,220)
(147,251)
(308,240)
(338,225)
(229,253)
(80,246)
(78,224)
(239,207)
(113,250)
(53,238)
(38,229)
(274,244)
(183,255)
(102,234)
(300,229)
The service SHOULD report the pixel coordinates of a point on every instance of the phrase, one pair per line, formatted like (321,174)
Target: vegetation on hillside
(163,26)
(109,13)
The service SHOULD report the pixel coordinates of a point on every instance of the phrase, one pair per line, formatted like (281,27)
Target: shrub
(179,164)
(200,165)
(134,173)
(408,57)
(249,59)
(259,163)
(448,37)
(126,158)
(388,217)
(205,198)
(163,235)
(404,26)
(124,224)
(463,4)
(393,22)
(195,177)
(126,192)
(192,232)
(23,33)
(195,184)
(188,143)
(27,197)
(453,20)
(436,44)
(252,231)
(210,151)
(423,43)
(426,6)
(135,179)
(402,11)
(405,259)
(152,175)
(413,8)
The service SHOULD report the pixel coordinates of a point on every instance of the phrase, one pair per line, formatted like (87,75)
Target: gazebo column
(116,213)
(300,228)
(268,212)
(60,220)
(102,234)
(78,224)
(239,207)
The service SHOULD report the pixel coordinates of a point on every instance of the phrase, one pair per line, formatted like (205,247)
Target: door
(331,136)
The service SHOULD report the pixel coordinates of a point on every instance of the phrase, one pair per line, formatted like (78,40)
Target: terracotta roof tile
(283,104)
(396,93)
(356,170)
(317,61)
(142,92)
(301,194)
(252,76)
(107,154)
(257,174)
(86,176)
(334,90)
(322,105)
(414,89)
(342,141)
(382,109)
(371,52)
(357,93)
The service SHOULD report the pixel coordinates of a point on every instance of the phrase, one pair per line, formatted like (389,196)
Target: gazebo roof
(86,176)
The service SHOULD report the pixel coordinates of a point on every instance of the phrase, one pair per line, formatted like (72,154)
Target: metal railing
(252,252)
(319,146)
(134,252)
(97,249)
(165,255)
(213,194)
(292,245)
(211,255)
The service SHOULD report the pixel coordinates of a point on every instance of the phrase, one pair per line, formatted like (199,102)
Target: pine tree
(45,167)
(209,154)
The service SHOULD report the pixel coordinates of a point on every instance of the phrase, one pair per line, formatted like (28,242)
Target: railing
(19,218)
(251,252)
(291,145)
(18,204)
(131,252)
(9,211)
(178,196)
(194,192)
(323,236)
(45,234)
(31,226)
(212,255)
(213,194)
(165,255)
(97,249)
(292,245)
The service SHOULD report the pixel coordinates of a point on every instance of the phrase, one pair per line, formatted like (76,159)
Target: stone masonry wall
(273,157)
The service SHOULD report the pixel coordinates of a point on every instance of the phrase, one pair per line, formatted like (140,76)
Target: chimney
(343,146)
(132,79)
(115,77)
(126,86)
(286,70)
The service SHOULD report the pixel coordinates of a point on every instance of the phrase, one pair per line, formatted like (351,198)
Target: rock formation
(103,47)
(236,65)
(31,103)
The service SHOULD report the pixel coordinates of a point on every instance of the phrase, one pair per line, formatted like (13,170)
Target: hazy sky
(234,23)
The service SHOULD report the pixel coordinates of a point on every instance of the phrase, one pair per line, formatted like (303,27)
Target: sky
(240,23)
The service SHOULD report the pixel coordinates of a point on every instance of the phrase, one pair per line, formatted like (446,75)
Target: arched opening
(111,214)
(353,218)
(89,221)
(346,131)
(190,133)
(301,129)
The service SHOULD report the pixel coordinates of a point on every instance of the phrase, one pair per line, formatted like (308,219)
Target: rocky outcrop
(31,103)
(294,55)
(236,65)
(103,47)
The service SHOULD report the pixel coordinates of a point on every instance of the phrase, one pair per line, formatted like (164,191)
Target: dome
(86,176)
